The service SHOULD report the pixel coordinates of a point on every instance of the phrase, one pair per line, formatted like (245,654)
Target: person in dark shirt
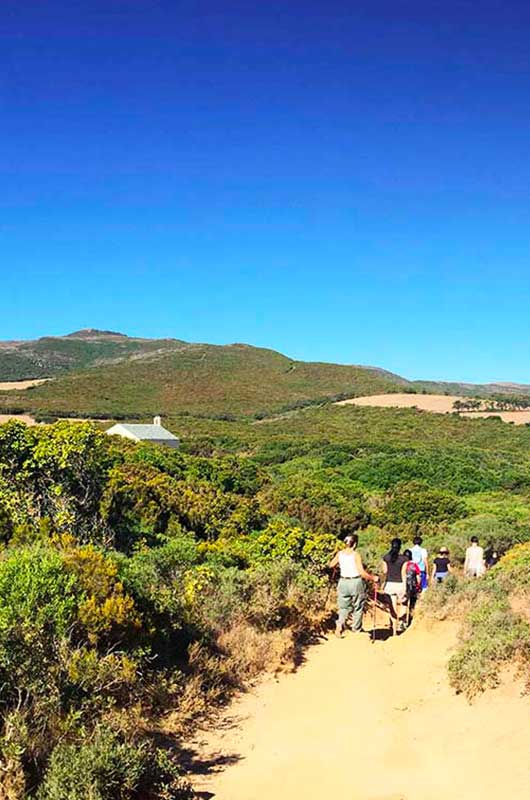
(492,557)
(394,569)
(441,565)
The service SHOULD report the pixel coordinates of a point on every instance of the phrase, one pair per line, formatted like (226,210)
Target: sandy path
(437,403)
(362,721)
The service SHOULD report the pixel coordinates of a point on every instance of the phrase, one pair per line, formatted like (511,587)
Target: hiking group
(405,575)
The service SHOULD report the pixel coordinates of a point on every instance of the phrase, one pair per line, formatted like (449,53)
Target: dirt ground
(22,417)
(369,721)
(7,386)
(438,403)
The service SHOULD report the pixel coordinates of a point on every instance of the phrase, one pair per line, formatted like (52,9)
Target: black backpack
(412,583)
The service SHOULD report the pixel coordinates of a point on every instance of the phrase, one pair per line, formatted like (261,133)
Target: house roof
(148,432)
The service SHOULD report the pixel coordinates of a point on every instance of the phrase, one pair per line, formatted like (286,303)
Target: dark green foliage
(108,768)
(417,502)
(327,506)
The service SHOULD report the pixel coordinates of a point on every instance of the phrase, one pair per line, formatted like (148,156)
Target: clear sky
(342,181)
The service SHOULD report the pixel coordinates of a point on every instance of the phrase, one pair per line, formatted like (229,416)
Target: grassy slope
(199,379)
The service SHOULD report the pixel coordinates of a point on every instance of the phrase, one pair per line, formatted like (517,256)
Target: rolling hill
(108,374)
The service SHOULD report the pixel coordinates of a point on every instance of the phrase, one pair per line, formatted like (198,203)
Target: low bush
(106,767)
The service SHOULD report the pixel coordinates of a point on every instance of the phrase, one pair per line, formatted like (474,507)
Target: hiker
(492,557)
(412,583)
(420,557)
(394,568)
(442,565)
(350,589)
(474,565)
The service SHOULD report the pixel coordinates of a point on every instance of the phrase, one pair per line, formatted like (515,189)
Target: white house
(155,433)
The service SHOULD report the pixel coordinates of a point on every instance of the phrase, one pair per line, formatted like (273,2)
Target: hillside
(108,374)
(141,377)
(56,355)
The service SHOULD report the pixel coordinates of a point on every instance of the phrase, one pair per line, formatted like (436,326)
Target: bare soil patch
(22,417)
(7,386)
(436,403)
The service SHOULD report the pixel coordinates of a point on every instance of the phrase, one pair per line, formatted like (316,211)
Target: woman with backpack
(394,568)
(421,557)
(413,582)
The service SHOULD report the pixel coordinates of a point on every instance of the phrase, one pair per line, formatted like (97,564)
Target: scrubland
(140,587)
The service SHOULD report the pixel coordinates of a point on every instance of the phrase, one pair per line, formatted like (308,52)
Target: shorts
(441,576)
(475,572)
(396,589)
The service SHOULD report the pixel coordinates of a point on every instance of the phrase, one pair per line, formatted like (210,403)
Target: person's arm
(404,572)
(334,561)
(362,572)
(449,567)
(426,559)
(466,560)
(384,567)
(433,571)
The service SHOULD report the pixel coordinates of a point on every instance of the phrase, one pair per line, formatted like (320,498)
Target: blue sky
(340,181)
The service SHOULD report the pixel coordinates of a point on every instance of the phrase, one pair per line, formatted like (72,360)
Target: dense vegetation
(139,586)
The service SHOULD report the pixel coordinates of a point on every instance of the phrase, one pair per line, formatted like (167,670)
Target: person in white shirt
(420,557)
(350,589)
(474,565)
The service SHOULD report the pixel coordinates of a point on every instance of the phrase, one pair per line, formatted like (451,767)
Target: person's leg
(358,604)
(344,604)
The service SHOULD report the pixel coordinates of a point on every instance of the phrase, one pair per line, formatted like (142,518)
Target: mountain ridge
(106,373)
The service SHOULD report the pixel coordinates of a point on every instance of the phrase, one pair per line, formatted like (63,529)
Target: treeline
(491,404)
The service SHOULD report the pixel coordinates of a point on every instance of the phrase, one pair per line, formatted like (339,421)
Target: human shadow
(380,634)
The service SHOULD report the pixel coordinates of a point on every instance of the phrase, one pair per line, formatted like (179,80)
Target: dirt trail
(362,721)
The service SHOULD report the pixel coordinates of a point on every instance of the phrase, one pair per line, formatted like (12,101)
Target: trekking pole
(330,584)
(374,612)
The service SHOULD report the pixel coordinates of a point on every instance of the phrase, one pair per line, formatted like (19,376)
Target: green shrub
(494,636)
(281,540)
(38,605)
(109,768)
(319,503)
(417,502)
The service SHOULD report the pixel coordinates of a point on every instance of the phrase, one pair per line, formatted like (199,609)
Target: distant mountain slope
(56,355)
(471,389)
(237,380)
(104,373)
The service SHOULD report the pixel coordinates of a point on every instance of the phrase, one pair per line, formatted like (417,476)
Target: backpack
(411,582)
(417,557)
